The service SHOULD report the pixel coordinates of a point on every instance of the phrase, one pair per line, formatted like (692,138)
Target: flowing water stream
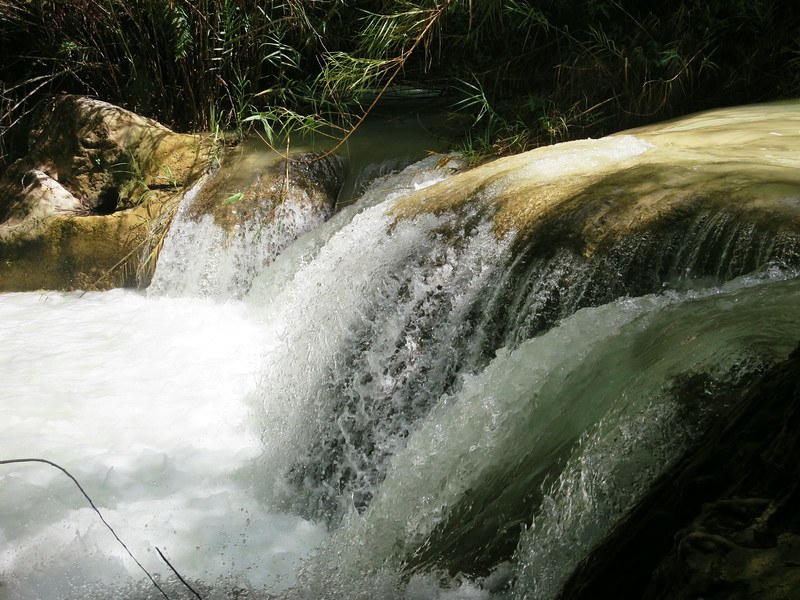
(391,411)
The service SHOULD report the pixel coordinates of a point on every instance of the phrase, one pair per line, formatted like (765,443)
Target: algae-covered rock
(254,177)
(77,209)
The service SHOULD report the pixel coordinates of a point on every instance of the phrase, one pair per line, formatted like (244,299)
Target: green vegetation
(522,72)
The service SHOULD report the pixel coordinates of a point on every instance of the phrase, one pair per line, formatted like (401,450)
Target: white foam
(142,400)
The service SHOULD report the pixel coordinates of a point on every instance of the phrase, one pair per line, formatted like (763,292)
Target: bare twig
(178,575)
(401,61)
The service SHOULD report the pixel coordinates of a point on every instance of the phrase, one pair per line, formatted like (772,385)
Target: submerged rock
(723,522)
(77,210)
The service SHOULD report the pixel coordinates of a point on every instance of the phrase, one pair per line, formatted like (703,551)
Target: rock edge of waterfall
(588,194)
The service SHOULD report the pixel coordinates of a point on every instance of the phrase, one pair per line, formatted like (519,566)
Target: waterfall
(389,403)
(601,404)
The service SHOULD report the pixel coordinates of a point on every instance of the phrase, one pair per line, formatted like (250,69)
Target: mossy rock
(255,180)
(588,194)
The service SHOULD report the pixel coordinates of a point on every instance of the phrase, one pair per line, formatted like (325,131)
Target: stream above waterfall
(410,401)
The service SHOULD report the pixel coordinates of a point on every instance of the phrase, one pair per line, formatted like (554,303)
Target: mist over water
(390,408)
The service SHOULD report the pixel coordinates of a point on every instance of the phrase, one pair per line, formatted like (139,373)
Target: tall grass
(187,63)
(525,72)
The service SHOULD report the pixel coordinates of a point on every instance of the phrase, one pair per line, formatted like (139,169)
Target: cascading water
(410,407)
(230,229)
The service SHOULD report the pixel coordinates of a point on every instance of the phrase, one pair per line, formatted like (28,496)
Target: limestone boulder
(77,211)
(589,194)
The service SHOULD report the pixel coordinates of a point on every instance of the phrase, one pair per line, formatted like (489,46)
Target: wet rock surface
(244,216)
(723,522)
(253,184)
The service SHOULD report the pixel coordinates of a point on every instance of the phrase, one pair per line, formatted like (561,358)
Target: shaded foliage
(524,72)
